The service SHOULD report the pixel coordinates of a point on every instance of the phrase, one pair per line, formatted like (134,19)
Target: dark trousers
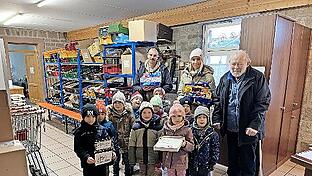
(242,159)
(125,161)
(96,171)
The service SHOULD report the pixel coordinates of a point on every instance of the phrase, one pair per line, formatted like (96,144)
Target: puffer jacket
(123,123)
(85,137)
(178,160)
(205,75)
(143,137)
(206,152)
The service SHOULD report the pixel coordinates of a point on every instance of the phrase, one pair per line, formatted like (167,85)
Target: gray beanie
(201,110)
(119,96)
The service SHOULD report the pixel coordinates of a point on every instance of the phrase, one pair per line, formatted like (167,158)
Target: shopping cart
(27,123)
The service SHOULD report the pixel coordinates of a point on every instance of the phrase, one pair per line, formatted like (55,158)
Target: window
(220,41)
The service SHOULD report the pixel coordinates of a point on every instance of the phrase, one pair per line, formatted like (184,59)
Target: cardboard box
(169,143)
(142,30)
(164,32)
(126,60)
(86,55)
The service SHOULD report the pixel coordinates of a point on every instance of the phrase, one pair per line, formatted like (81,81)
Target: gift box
(169,143)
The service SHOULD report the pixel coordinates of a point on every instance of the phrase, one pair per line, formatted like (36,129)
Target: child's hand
(90,160)
(184,143)
(114,156)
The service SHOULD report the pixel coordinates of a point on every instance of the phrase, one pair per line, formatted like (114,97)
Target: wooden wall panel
(208,10)
(277,84)
(257,35)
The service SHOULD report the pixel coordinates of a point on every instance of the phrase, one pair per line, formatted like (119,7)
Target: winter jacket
(205,75)
(178,160)
(166,81)
(206,152)
(254,98)
(143,137)
(190,118)
(136,113)
(123,123)
(85,137)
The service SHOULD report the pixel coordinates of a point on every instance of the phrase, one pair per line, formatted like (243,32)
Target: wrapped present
(199,93)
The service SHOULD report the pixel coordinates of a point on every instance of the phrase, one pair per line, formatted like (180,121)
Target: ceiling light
(14,19)
(43,3)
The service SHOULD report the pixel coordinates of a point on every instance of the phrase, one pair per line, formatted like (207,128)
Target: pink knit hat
(135,95)
(176,108)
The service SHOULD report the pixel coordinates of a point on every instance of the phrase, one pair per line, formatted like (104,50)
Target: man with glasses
(243,97)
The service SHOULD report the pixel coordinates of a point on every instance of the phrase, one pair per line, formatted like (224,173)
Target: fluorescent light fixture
(43,3)
(14,19)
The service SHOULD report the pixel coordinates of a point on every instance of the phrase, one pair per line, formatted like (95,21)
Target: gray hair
(240,53)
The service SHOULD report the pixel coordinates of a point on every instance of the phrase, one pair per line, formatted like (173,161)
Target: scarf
(149,69)
(176,126)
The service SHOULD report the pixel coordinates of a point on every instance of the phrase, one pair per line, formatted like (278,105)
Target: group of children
(135,128)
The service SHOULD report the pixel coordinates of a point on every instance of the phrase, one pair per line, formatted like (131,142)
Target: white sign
(103,157)
(2,60)
(103,145)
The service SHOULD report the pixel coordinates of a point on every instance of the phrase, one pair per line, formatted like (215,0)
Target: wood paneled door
(34,78)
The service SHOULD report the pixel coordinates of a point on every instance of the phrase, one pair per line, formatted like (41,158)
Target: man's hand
(216,126)
(90,160)
(251,132)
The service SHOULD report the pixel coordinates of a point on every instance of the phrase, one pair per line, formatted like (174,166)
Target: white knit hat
(196,52)
(119,96)
(145,104)
(156,101)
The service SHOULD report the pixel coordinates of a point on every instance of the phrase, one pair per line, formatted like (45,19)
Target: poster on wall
(2,60)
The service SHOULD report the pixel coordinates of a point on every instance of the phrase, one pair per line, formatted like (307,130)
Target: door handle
(295,104)
(283,108)
(293,117)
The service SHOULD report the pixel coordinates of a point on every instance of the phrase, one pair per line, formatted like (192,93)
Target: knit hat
(119,96)
(176,108)
(89,109)
(145,104)
(101,109)
(201,110)
(159,89)
(186,100)
(136,95)
(196,52)
(156,101)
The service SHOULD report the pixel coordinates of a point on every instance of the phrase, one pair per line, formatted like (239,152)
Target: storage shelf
(73,63)
(91,64)
(70,79)
(93,81)
(118,75)
(129,44)
(51,63)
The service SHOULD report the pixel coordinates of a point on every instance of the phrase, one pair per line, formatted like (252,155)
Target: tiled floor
(57,151)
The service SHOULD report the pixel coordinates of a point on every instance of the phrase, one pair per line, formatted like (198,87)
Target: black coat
(254,99)
(85,137)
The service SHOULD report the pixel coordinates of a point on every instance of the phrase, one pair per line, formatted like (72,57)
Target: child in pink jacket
(177,162)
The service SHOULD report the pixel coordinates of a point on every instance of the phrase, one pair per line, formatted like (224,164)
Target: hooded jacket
(143,137)
(123,123)
(204,75)
(206,152)
(178,160)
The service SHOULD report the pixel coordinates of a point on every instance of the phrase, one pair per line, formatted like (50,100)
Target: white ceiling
(67,15)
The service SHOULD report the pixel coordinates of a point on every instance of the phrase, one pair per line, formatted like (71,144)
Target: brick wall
(189,37)
(52,40)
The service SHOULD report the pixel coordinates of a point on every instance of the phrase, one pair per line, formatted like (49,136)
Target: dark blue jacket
(206,152)
(254,99)
(85,137)
(166,81)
